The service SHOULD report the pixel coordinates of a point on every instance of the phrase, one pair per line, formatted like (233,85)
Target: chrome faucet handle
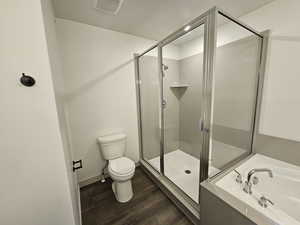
(248,187)
(255,180)
(238,179)
(263,201)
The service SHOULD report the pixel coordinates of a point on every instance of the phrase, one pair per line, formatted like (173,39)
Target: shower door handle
(164,103)
(201,125)
(202,128)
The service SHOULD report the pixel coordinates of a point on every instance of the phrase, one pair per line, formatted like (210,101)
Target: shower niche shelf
(180,85)
(179,89)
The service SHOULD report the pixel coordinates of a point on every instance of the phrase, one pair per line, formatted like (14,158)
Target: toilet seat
(121,170)
(121,166)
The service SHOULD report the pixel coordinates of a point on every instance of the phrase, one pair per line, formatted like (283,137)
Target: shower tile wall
(231,77)
(191,70)
(171,113)
(234,98)
(150,114)
(150,109)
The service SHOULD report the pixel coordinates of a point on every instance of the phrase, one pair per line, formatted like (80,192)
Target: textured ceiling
(152,19)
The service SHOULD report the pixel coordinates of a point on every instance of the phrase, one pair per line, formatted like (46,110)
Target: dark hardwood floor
(149,205)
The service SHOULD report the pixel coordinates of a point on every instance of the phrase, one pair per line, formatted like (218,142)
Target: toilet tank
(112,146)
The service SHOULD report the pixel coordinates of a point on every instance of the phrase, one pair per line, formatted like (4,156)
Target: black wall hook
(27,81)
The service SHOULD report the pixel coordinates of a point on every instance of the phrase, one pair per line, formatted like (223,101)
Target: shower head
(165,67)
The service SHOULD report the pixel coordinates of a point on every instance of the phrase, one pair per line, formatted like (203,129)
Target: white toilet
(121,169)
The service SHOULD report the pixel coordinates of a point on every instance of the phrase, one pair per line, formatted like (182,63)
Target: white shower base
(176,163)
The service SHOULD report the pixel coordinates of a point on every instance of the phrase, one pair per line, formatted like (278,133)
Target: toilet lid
(121,165)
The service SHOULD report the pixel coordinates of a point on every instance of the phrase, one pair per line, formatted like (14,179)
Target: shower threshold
(183,170)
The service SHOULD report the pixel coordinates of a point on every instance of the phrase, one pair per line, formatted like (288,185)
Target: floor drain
(187,171)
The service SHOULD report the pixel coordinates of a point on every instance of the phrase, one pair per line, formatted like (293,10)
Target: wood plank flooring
(149,205)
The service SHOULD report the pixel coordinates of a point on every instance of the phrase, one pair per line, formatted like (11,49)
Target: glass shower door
(235,93)
(149,96)
(182,77)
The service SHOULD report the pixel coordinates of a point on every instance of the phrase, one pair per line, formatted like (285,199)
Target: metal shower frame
(209,20)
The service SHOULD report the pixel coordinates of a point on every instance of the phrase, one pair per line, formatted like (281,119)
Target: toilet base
(122,190)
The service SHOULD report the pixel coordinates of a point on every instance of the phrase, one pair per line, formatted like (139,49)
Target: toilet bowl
(121,169)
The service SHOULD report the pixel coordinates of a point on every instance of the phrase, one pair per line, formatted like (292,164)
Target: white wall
(281,100)
(99,77)
(59,91)
(34,183)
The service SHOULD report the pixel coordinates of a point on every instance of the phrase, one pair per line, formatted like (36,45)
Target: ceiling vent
(111,7)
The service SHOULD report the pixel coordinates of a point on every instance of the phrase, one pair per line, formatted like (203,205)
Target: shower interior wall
(183,108)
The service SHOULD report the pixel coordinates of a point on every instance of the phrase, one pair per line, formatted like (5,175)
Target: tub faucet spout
(248,184)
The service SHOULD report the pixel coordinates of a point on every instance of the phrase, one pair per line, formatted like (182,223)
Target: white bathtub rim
(253,214)
(273,213)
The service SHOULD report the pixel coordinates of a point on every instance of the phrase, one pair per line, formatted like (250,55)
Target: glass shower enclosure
(197,92)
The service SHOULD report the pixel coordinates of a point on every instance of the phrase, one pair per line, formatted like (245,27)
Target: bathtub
(283,190)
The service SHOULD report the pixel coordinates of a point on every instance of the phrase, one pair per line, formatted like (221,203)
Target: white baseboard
(97,178)
(91,180)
